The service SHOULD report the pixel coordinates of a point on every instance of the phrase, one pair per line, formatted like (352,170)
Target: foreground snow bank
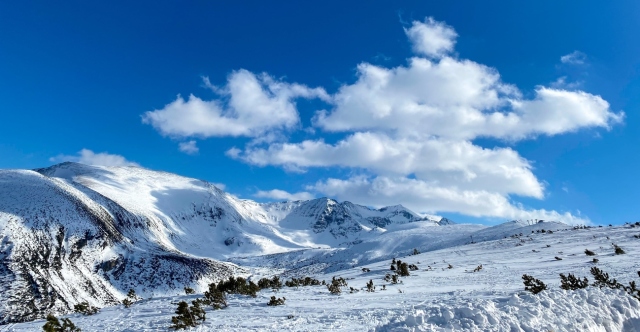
(590,309)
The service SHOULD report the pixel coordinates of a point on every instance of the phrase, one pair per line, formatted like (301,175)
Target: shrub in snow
(85,309)
(53,325)
(603,280)
(558,258)
(353,290)
(215,297)
(416,252)
(189,290)
(187,316)
(133,296)
(334,289)
(274,283)
(570,282)
(595,260)
(238,286)
(589,252)
(370,286)
(403,269)
(276,301)
(393,267)
(336,283)
(618,250)
(306,281)
(364,269)
(532,284)
(127,302)
(413,267)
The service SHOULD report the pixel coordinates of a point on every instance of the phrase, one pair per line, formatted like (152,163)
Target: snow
(432,299)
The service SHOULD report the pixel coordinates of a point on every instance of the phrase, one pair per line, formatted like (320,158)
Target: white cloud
(562,83)
(189,147)
(410,129)
(283,195)
(448,163)
(457,99)
(575,58)
(89,157)
(249,105)
(431,38)
(428,198)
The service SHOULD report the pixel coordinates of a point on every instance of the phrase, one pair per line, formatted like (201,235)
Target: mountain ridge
(73,232)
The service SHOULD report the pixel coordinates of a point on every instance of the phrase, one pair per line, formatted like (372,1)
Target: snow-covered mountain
(72,233)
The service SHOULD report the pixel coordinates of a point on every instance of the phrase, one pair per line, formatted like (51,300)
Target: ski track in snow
(436,299)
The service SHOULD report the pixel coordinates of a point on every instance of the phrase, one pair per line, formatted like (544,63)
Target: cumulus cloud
(410,130)
(189,147)
(416,194)
(431,38)
(88,157)
(249,105)
(574,58)
(457,99)
(283,195)
(449,163)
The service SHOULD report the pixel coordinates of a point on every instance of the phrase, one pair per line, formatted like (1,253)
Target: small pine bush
(215,297)
(416,251)
(53,325)
(306,281)
(187,316)
(589,252)
(334,289)
(189,290)
(602,279)
(403,269)
(85,309)
(570,282)
(618,250)
(370,286)
(133,296)
(533,285)
(276,301)
(127,302)
(238,286)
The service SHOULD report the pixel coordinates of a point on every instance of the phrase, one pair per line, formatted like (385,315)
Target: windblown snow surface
(73,233)
(434,298)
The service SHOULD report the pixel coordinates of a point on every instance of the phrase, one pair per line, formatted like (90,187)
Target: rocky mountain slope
(72,233)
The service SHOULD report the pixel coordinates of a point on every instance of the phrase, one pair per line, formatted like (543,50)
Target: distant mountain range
(72,232)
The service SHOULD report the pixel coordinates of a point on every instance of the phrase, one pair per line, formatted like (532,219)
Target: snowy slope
(72,233)
(434,298)
(60,246)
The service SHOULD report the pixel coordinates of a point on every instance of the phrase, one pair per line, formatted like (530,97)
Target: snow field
(431,299)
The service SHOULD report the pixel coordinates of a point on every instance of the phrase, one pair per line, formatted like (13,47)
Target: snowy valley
(72,233)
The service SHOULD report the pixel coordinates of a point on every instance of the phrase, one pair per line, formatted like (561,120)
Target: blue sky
(479,112)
